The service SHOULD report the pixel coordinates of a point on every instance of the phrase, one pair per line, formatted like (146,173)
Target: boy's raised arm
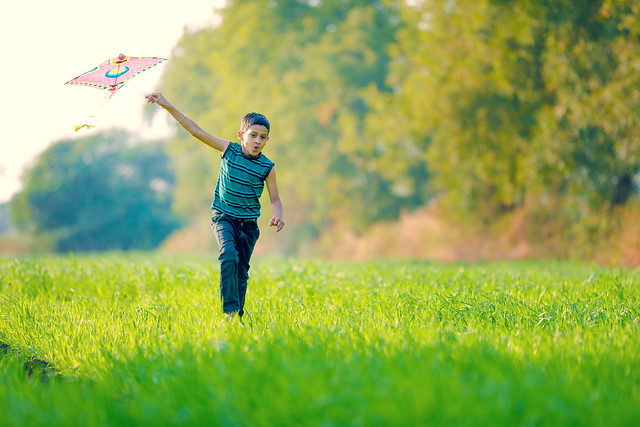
(188,124)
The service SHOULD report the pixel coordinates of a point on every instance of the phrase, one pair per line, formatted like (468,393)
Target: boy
(236,206)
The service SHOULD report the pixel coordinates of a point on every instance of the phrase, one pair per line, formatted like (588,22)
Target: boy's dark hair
(254,119)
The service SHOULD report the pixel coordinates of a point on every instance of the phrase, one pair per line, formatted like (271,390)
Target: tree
(96,193)
(519,102)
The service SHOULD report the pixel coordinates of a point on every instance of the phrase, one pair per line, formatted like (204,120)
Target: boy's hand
(276,222)
(158,98)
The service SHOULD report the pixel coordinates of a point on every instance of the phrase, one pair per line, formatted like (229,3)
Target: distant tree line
(490,106)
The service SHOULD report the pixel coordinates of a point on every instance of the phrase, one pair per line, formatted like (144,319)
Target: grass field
(135,339)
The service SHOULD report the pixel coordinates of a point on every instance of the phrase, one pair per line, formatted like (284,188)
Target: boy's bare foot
(231,318)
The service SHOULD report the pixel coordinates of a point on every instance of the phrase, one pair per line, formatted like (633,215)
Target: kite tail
(82,125)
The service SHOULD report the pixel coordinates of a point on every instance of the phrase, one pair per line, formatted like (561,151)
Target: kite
(112,74)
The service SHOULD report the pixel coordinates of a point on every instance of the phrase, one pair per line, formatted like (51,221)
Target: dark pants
(236,240)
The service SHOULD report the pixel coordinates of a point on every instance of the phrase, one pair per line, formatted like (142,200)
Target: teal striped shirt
(240,183)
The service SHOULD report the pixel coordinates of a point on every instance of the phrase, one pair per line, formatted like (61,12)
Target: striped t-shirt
(240,183)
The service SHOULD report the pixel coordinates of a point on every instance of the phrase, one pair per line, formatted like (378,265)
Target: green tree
(96,193)
(518,102)
(466,91)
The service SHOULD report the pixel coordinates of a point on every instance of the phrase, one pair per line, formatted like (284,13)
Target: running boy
(236,205)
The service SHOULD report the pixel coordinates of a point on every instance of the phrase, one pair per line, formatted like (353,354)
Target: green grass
(136,339)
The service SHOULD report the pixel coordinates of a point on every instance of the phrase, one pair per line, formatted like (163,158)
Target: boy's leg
(247,238)
(225,233)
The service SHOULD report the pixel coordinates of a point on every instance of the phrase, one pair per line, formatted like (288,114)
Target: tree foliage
(96,193)
(523,101)
(490,105)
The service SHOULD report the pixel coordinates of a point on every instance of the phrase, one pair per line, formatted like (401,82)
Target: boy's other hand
(276,222)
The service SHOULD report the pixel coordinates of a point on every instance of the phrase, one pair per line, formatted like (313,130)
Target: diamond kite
(112,74)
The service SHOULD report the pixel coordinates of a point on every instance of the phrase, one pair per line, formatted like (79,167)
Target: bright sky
(45,43)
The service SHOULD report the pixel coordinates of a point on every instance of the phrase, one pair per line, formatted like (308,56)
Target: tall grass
(136,339)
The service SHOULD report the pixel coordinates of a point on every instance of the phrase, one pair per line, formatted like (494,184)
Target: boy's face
(253,139)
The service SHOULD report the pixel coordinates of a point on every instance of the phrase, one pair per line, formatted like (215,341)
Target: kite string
(111,91)
(114,87)
(115,80)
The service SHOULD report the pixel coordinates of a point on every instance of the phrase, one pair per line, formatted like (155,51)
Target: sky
(45,43)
